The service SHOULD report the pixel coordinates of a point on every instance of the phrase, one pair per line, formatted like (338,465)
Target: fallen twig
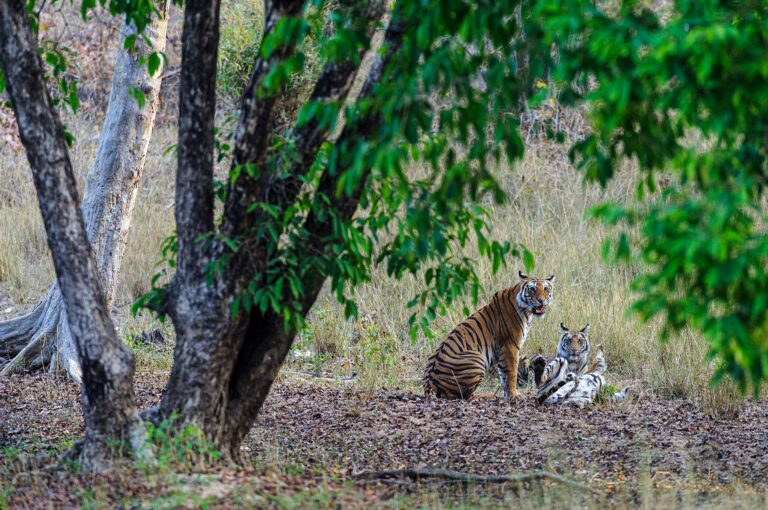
(447,474)
(317,375)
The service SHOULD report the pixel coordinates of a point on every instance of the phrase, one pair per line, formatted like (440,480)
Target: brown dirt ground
(350,431)
(310,434)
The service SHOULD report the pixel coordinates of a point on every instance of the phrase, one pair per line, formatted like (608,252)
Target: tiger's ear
(564,327)
(551,278)
(585,329)
(522,275)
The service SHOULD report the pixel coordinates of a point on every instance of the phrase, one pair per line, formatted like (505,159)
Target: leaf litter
(319,438)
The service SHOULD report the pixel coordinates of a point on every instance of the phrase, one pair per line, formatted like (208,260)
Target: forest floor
(314,439)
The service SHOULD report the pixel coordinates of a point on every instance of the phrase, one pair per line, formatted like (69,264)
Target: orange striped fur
(492,336)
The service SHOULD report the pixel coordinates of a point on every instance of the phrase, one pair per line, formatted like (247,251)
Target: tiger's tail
(426,381)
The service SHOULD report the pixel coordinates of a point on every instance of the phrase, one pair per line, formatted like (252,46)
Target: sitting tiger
(560,386)
(492,336)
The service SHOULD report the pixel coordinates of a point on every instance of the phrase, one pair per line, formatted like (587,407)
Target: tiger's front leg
(507,360)
(503,381)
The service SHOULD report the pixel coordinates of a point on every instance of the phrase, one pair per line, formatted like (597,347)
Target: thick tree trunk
(107,365)
(224,366)
(43,337)
(196,305)
(266,341)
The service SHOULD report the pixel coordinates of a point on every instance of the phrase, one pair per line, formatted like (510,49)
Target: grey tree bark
(107,366)
(224,365)
(43,337)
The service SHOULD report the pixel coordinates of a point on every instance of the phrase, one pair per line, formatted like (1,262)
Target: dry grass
(547,208)
(547,211)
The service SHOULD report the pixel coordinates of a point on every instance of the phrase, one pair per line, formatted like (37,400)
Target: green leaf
(528,260)
(153,63)
(130,42)
(137,95)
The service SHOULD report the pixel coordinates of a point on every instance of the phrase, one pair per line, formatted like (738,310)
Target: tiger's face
(574,342)
(535,293)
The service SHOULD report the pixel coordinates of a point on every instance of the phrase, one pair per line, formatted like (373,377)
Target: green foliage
(461,54)
(688,96)
(155,299)
(241,33)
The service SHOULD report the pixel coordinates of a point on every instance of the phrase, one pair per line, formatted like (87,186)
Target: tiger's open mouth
(539,312)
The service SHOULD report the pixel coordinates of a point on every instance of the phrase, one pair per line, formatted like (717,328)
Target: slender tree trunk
(107,365)
(43,336)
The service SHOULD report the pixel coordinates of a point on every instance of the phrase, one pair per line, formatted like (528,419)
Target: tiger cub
(575,391)
(574,346)
(492,336)
(555,376)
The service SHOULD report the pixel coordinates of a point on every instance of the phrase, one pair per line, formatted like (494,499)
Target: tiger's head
(535,293)
(573,343)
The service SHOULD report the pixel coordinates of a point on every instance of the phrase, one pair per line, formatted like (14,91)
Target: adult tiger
(493,335)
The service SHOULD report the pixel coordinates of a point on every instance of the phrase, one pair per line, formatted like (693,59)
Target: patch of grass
(606,393)
(184,449)
(89,499)
(242,24)
(150,357)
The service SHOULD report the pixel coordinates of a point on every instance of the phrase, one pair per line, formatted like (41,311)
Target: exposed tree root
(458,476)
(40,339)
(29,340)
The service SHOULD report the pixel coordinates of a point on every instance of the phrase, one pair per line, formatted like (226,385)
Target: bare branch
(458,476)
(333,84)
(254,129)
(360,129)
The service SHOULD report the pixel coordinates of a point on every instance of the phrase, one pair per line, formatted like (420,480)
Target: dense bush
(686,93)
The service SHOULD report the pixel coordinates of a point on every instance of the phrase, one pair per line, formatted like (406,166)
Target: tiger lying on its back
(573,346)
(493,335)
(559,386)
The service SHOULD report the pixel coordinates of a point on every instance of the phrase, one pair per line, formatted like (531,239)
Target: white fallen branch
(459,476)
